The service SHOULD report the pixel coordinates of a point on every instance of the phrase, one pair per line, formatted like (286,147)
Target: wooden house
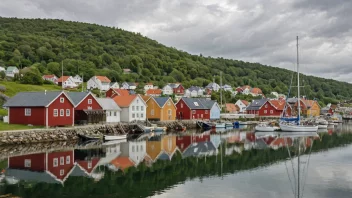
(132,107)
(161,109)
(52,108)
(191,108)
(112,92)
(66,82)
(99,82)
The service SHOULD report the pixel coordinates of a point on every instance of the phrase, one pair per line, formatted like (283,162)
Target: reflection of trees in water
(143,181)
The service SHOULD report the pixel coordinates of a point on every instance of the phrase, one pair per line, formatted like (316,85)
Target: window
(27,112)
(137,115)
(142,108)
(90,164)
(90,101)
(271,111)
(62,172)
(55,112)
(62,100)
(206,111)
(27,163)
(142,115)
(132,148)
(90,107)
(68,112)
(107,114)
(137,148)
(62,112)
(169,103)
(137,108)
(196,104)
(265,111)
(141,148)
(133,115)
(152,112)
(115,114)
(137,101)
(193,111)
(62,160)
(266,106)
(132,108)
(169,112)
(181,105)
(55,162)
(68,160)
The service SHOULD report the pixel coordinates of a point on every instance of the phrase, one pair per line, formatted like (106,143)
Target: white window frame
(271,111)
(265,111)
(193,111)
(142,108)
(62,100)
(55,162)
(62,172)
(181,105)
(133,115)
(90,101)
(206,111)
(27,112)
(142,115)
(266,106)
(68,112)
(56,112)
(137,115)
(132,108)
(137,108)
(169,103)
(62,112)
(89,164)
(169,112)
(62,160)
(115,113)
(152,112)
(90,107)
(68,159)
(27,163)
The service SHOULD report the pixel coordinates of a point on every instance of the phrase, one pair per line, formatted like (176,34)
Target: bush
(48,82)
(2,75)
(32,78)
(2,88)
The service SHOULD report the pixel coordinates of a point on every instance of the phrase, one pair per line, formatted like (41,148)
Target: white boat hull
(115,137)
(320,126)
(220,125)
(265,128)
(298,128)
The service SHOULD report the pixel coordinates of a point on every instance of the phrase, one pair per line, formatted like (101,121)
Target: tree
(32,78)
(2,75)
(177,75)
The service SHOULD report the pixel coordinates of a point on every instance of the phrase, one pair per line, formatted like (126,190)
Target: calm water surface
(237,163)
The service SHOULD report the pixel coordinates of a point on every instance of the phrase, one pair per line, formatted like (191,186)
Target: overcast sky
(261,31)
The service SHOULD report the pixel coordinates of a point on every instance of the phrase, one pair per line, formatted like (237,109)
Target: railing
(236,116)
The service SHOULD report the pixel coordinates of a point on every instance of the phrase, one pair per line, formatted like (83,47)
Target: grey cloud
(258,31)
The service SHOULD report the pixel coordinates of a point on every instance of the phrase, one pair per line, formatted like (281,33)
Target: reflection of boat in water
(85,137)
(264,127)
(204,125)
(115,137)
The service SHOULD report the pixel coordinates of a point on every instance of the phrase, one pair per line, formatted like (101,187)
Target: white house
(99,82)
(133,107)
(11,71)
(66,82)
(227,87)
(112,110)
(194,92)
(78,79)
(129,85)
(51,78)
(114,85)
(135,150)
(213,86)
(2,69)
(167,90)
(148,86)
(242,105)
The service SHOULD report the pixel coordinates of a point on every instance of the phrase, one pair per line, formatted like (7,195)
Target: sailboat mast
(298,87)
(298,169)
(220,92)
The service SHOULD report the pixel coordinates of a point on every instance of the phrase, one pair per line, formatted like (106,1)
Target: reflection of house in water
(216,140)
(86,162)
(54,167)
(183,142)
(132,153)
(161,147)
(199,149)
(230,150)
(280,142)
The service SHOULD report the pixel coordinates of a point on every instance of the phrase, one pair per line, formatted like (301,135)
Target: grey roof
(164,156)
(194,88)
(207,103)
(292,100)
(77,97)
(199,149)
(11,68)
(32,99)
(211,85)
(131,84)
(161,100)
(191,103)
(27,175)
(108,104)
(256,104)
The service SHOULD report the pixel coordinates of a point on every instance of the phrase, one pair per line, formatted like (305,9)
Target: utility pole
(82,82)
(62,66)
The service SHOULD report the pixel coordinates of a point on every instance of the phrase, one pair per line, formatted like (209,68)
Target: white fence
(236,116)
(6,119)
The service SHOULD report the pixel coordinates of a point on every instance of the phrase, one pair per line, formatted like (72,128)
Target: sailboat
(223,124)
(294,124)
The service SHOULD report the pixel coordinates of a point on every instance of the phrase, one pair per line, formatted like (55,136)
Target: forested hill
(92,49)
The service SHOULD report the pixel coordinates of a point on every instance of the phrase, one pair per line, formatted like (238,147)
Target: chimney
(45,92)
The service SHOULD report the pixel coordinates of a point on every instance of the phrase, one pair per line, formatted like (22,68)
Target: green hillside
(92,49)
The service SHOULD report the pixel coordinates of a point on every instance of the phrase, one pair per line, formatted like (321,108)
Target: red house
(191,108)
(274,108)
(183,142)
(177,88)
(53,108)
(111,93)
(86,163)
(54,167)
(87,108)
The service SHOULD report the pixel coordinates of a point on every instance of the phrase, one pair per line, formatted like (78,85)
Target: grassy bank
(12,88)
(3,112)
(7,127)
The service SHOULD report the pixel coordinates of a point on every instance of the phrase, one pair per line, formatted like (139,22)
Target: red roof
(230,107)
(256,90)
(246,86)
(49,76)
(122,92)
(150,83)
(103,79)
(278,104)
(63,78)
(154,92)
(245,102)
(122,162)
(124,101)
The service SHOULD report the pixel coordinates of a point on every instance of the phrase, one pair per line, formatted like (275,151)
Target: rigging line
(293,168)
(305,177)
(288,94)
(289,178)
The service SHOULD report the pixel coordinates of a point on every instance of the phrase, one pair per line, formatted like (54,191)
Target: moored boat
(266,127)
(89,137)
(228,124)
(289,127)
(115,137)
(322,126)
(220,125)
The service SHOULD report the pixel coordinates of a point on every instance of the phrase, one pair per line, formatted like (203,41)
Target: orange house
(161,148)
(160,108)
(309,107)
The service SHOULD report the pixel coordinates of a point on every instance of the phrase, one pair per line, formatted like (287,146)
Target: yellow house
(160,108)
(161,147)
(310,108)
(168,144)
(153,148)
